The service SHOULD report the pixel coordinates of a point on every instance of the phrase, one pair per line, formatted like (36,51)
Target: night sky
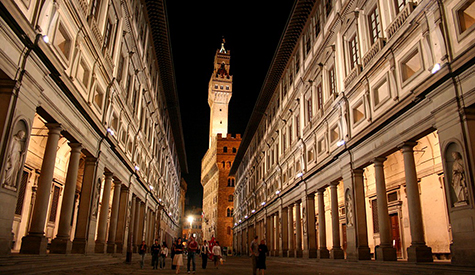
(252,33)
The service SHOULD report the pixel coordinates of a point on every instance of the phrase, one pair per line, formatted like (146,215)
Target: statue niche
(456,176)
(14,158)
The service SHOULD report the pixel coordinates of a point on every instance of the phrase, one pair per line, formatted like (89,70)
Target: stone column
(136,240)
(336,251)
(104,215)
(360,216)
(322,252)
(271,235)
(111,245)
(311,232)
(277,234)
(130,238)
(35,242)
(285,231)
(385,251)
(418,251)
(124,207)
(298,230)
(291,231)
(86,218)
(62,243)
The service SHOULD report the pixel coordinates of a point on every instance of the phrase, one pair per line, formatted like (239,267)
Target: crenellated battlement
(229,136)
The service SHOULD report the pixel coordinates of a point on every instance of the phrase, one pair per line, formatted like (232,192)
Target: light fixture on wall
(436,68)
(246,217)
(253,211)
(151,187)
(137,168)
(263,203)
(110,131)
(340,143)
(46,39)
(277,192)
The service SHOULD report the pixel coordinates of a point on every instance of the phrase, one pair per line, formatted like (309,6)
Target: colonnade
(138,218)
(292,230)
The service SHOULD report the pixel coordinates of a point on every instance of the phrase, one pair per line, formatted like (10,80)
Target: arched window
(229,212)
(234,149)
(231,198)
(225,149)
(230,182)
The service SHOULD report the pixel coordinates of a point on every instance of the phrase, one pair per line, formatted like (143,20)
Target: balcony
(399,20)
(377,46)
(352,75)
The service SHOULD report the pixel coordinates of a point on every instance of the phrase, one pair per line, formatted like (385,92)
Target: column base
(337,253)
(100,248)
(291,253)
(364,253)
(385,254)
(81,246)
(61,246)
(310,253)
(31,244)
(419,254)
(298,253)
(111,248)
(120,248)
(323,253)
(285,253)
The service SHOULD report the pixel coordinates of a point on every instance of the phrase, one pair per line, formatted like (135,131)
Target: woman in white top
(217,254)
(163,255)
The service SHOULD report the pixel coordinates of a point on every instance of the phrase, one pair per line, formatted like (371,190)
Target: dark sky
(252,31)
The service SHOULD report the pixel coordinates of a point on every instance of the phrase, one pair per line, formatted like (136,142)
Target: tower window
(225,149)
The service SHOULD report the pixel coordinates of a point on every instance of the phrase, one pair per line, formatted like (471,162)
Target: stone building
(367,148)
(218,187)
(92,148)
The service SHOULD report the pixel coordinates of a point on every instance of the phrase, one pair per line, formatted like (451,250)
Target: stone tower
(220,91)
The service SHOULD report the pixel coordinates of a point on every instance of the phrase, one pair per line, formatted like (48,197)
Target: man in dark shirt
(155,249)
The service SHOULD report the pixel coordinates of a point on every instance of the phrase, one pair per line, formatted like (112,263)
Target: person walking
(254,253)
(155,250)
(178,258)
(163,255)
(204,254)
(217,254)
(261,259)
(172,254)
(192,249)
(142,250)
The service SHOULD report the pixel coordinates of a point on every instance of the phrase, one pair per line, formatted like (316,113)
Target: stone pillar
(336,251)
(130,238)
(111,246)
(136,240)
(360,216)
(104,215)
(298,230)
(285,231)
(291,231)
(62,243)
(322,252)
(124,208)
(385,251)
(311,251)
(277,234)
(87,213)
(418,251)
(270,228)
(35,242)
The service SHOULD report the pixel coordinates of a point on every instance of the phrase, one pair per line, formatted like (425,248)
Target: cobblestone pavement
(279,266)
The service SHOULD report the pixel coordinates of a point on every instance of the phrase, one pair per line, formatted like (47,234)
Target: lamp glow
(110,131)
(436,68)
(253,211)
(262,203)
(45,38)
(340,143)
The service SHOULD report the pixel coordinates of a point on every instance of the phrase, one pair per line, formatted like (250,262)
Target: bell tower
(220,90)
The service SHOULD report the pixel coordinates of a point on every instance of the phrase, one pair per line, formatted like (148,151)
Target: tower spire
(223,50)
(219,93)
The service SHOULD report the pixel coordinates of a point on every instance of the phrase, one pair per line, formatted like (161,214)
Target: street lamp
(190,220)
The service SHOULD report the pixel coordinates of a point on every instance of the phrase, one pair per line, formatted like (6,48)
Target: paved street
(280,266)
(106,264)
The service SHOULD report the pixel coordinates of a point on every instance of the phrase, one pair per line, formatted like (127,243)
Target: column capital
(378,161)
(357,171)
(117,182)
(321,190)
(407,146)
(334,184)
(75,147)
(54,128)
(311,196)
(108,175)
